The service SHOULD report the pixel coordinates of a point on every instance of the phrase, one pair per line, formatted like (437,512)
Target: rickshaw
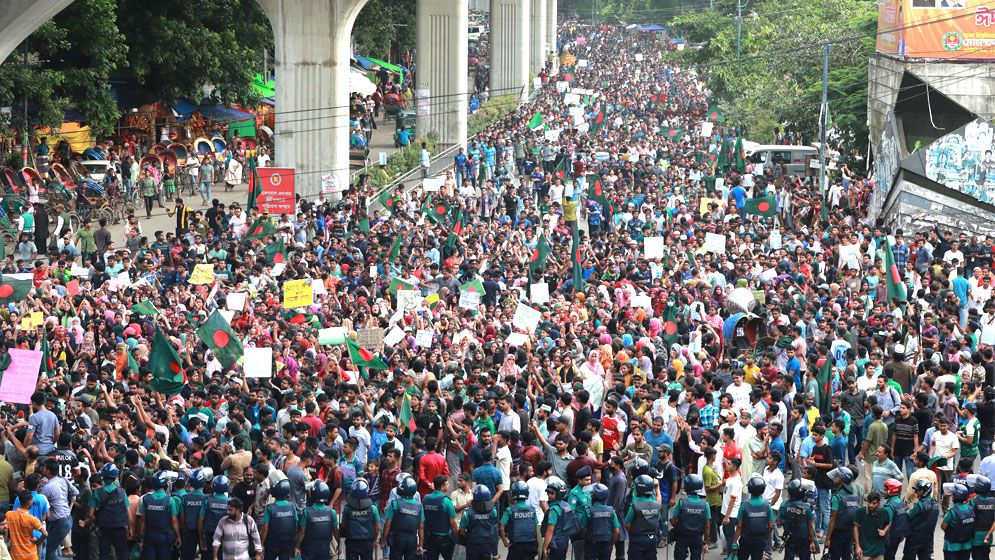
(91,203)
(406,118)
(743,330)
(394,102)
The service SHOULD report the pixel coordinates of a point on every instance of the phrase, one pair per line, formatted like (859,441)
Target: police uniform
(481,523)
(899,518)
(959,538)
(359,522)
(580,501)
(688,534)
(922,525)
(643,520)
(600,527)
(319,522)
(564,521)
(795,516)
(405,516)
(190,505)
(984,516)
(110,507)
(520,521)
(755,518)
(844,503)
(280,519)
(215,508)
(158,509)
(439,513)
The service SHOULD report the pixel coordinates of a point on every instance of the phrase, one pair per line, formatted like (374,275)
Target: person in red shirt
(431,465)
(531,454)
(314,424)
(612,428)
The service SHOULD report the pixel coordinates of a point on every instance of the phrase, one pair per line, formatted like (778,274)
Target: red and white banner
(277,193)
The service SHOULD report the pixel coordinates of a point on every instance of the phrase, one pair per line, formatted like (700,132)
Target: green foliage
(402,161)
(384,27)
(778,82)
(495,109)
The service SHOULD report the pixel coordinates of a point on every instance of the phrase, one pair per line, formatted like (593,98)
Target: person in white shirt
(740,391)
(944,444)
(732,495)
(503,458)
(262,160)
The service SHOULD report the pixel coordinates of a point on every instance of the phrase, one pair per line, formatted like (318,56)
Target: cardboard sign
(653,247)
(277,193)
(257,362)
(469,300)
(540,292)
(236,301)
(526,318)
(715,243)
(370,338)
(21,377)
(72,287)
(423,338)
(297,293)
(203,274)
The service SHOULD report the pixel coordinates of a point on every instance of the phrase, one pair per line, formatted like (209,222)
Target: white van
(795,157)
(473,33)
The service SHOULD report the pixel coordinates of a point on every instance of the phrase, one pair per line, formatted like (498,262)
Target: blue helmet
(281,491)
(407,487)
(481,493)
(519,490)
(197,480)
(320,493)
(181,480)
(360,489)
(644,485)
(109,471)
(220,484)
(157,482)
(693,483)
(983,485)
(960,492)
(599,493)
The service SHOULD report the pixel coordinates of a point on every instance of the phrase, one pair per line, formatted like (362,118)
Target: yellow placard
(202,274)
(37,318)
(297,293)
(26,323)
(704,204)
(432,298)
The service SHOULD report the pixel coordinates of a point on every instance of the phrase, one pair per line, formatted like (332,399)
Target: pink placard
(21,378)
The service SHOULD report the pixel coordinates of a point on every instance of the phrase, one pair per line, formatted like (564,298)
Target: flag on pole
(167,372)
(896,287)
(259,229)
(220,339)
(14,289)
(539,254)
(406,415)
(669,333)
(535,122)
(255,185)
(578,259)
(362,357)
(739,155)
(276,252)
(765,206)
(144,308)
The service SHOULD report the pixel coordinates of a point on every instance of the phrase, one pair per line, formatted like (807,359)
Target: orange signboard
(937,29)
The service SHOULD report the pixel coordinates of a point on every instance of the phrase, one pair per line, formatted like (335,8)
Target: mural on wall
(886,164)
(963,160)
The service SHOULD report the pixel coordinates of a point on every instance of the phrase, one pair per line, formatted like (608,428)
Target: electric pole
(740,4)
(824,116)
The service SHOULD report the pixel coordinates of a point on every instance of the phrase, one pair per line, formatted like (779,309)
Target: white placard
(768,275)
(715,243)
(526,318)
(537,82)
(850,256)
(373,271)
(278,269)
(258,362)
(318,288)
(432,184)
(469,300)
(393,336)
(706,129)
(517,339)
(575,111)
(639,57)
(540,292)
(552,135)
(236,302)
(463,335)
(653,247)
(583,63)
(77,271)
(408,299)
(583,91)
(330,184)
(562,86)
(571,99)
(577,120)
(423,338)
(583,127)
(227,314)
(382,159)
(643,301)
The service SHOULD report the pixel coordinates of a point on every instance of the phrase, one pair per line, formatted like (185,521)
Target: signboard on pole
(277,196)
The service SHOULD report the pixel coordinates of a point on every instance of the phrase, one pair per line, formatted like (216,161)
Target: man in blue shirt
(459,166)
(488,475)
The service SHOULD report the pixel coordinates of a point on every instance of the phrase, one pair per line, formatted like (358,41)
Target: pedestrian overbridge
(313,50)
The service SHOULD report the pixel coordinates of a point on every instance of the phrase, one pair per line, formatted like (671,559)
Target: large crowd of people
(604,332)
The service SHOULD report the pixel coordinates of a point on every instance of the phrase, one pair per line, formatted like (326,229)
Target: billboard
(277,194)
(937,29)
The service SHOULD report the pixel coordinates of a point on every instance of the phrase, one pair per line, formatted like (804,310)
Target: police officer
(798,521)
(756,521)
(958,524)
(190,505)
(602,528)
(580,501)
(984,517)
(922,522)
(157,521)
(691,519)
(560,523)
(479,525)
(318,525)
(360,522)
(279,524)
(214,509)
(519,527)
(642,521)
(440,521)
(108,511)
(842,512)
(894,505)
(404,523)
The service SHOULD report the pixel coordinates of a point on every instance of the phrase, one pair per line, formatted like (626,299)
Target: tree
(384,27)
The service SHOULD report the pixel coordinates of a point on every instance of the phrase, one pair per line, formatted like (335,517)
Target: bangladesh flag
(259,229)
(406,415)
(473,286)
(389,201)
(669,333)
(436,211)
(596,192)
(674,134)
(578,260)
(715,115)
(896,287)
(824,377)
(144,308)
(450,247)
(398,284)
(539,255)
(295,317)
(255,185)
(47,365)
(561,167)
(535,122)
(362,357)
(14,289)
(218,336)
(167,372)
(364,225)
(599,119)
(739,155)
(765,206)
(395,249)
(276,252)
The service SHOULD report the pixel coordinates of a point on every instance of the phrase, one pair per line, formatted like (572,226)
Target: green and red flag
(406,415)
(144,308)
(389,201)
(395,249)
(364,225)
(669,333)
(739,155)
(539,254)
(362,357)
(561,168)
(578,259)
(259,229)
(824,378)
(535,122)
(255,185)
(295,317)
(14,289)
(47,364)
(436,211)
(275,252)
(599,119)
(674,134)
(454,233)
(473,286)
(596,192)
(765,206)
(168,376)
(896,287)
(220,339)
(398,284)
(715,115)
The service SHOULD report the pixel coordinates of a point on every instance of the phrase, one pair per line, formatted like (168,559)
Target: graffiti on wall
(963,160)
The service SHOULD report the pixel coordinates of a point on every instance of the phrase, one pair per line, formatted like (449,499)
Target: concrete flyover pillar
(510,26)
(537,48)
(441,71)
(20,18)
(312,87)
(551,12)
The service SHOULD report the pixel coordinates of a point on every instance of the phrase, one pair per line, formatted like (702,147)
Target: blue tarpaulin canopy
(652,27)
(364,62)
(217,113)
